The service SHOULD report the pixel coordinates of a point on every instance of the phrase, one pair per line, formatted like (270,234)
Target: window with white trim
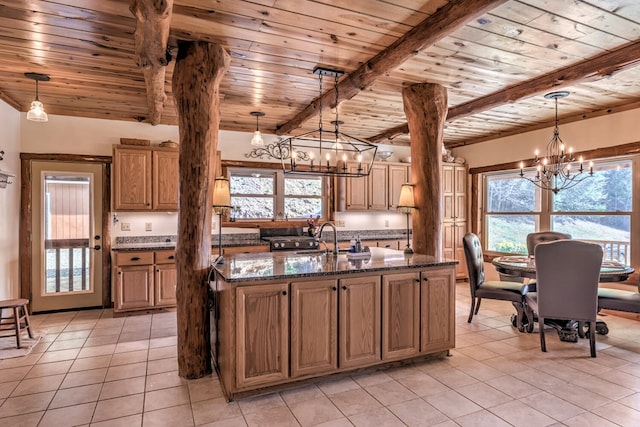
(266,194)
(598,209)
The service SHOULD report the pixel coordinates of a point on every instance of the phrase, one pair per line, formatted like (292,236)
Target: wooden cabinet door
(165,180)
(448,187)
(262,346)
(166,280)
(314,327)
(449,240)
(356,190)
(132,179)
(460,193)
(398,175)
(461,268)
(134,287)
(400,315)
(437,300)
(359,321)
(377,187)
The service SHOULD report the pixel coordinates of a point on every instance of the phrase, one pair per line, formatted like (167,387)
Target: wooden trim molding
(26,206)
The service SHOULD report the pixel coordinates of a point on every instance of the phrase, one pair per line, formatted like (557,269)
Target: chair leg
(478,305)
(16,319)
(592,338)
(543,344)
(520,313)
(473,304)
(27,322)
(530,318)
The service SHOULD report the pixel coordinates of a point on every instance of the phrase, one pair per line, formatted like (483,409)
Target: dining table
(525,266)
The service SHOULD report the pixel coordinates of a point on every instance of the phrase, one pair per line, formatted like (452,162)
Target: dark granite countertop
(288,265)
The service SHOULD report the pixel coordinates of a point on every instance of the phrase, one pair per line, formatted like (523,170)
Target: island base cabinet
(359,321)
(262,347)
(437,298)
(400,315)
(314,327)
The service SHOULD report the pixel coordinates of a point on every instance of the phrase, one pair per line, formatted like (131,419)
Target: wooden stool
(15,319)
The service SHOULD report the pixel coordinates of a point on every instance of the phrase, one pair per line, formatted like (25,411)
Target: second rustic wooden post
(196,80)
(425,105)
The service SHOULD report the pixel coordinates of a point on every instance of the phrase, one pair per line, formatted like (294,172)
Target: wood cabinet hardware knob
(426,279)
(135,258)
(417,280)
(344,287)
(119,272)
(171,257)
(334,288)
(158,270)
(284,292)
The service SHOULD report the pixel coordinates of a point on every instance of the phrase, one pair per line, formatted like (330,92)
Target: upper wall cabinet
(377,192)
(145,178)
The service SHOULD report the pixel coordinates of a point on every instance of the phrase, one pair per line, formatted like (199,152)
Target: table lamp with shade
(405,205)
(221,204)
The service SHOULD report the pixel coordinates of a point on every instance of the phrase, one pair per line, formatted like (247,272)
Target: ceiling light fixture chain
(555,172)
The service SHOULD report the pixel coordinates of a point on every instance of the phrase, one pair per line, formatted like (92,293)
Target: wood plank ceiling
(87,48)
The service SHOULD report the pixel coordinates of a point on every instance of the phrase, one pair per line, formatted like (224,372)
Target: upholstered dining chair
(493,289)
(567,275)
(544,236)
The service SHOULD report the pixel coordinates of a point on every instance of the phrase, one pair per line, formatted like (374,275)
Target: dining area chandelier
(558,170)
(327,152)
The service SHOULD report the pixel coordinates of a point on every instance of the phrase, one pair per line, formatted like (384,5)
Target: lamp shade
(406,201)
(221,193)
(257,140)
(36,112)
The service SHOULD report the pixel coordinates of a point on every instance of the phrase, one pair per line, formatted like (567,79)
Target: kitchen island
(280,318)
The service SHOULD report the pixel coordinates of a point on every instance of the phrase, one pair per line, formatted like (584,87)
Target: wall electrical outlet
(148,226)
(386,222)
(339,223)
(125,226)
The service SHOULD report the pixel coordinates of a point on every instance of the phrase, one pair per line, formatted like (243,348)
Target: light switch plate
(148,226)
(386,222)
(125,226)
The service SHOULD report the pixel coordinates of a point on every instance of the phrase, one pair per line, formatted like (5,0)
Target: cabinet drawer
(165,257)
(134,258)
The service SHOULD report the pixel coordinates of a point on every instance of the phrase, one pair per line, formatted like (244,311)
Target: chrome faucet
(335,235)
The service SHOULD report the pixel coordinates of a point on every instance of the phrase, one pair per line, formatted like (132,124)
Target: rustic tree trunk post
(425,105)
(196,79)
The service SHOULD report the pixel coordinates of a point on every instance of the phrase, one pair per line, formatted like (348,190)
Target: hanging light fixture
(555,172)
(36,112)
(322,152)
(257,140)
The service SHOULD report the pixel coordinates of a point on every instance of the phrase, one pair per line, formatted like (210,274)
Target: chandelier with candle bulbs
(559,170)
(327,152)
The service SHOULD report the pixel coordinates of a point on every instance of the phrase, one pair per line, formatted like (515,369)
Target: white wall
(9,202)
(605,131)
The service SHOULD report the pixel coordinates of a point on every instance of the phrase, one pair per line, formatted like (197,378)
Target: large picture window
(265,194)
(598,209)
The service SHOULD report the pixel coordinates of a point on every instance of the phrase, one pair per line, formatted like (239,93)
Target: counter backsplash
(239,239)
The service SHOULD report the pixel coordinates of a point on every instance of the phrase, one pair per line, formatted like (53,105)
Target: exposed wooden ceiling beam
(597,67)
(443,22)
(153,19)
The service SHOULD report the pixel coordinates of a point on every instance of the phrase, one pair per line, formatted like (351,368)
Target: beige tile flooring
(102,371)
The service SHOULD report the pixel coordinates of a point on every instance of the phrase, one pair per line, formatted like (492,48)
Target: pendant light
(257,140)
(36,113)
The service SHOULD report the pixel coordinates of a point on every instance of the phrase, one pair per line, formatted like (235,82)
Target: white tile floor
(102,371)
